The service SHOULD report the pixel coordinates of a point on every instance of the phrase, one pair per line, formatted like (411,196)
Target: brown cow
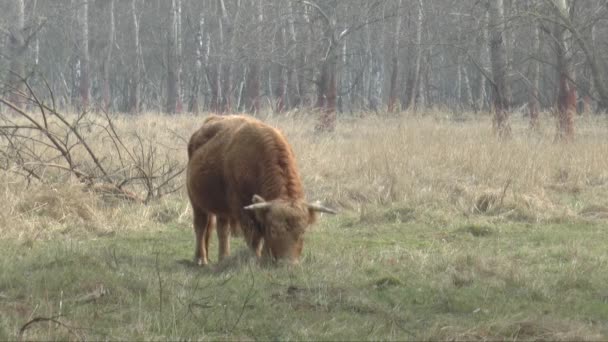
(243,172)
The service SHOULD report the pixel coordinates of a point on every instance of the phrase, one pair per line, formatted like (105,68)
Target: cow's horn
(258,206)
(257,199)
(318,207)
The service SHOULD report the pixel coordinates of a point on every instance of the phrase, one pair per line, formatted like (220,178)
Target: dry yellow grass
(428,162)
(444,234)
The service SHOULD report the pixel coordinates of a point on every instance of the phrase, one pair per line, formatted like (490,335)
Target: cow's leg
(252,231)
(256,244)
(253,238)
(223,234)
(203,224)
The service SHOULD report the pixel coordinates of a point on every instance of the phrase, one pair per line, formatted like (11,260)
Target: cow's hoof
(200,262)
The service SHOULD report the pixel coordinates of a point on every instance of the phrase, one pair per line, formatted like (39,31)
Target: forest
(461,145)
(343,57)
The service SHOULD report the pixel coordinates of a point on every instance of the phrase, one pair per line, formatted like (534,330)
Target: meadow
(443,233)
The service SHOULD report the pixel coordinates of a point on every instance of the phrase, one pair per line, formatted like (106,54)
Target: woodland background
(336,56)
(463,143)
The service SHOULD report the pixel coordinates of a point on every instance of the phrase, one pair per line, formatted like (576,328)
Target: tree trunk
(392,95)
(134,92)
(178,39)
(533,100)
(423,83)
(229,50)
(566,95)
(172,105)
(498,60)
(346,86)
(483,58)
(375,71)
(253,88)
(83,55)
(467,87)
(458,86)
(597,65)
(252,103)
(281,89)
(17,50)
(414,93)
(305,58)
(295,93)
(194,105)
(37,39)
(215,71)
(326,96)
(326,82)
(107,96)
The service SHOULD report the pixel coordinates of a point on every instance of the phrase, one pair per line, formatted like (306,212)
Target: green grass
(394,273)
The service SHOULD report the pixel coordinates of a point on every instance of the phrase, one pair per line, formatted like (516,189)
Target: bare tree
(228,43)
(134,82)
(417,66)
(194,105)
(335,55)
(296,93)
(498,60)
(533,102)
(566,95)
(326,77)
(392,96)
(484,52)
(173,82)
(17,49)
(107,96)
(596,63)
(69,151)
(252,102)
(83,55)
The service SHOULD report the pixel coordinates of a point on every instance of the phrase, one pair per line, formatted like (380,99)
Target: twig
(53,319)
(46,132)
(32,152)
(160,288)
(78,173)
(81,140)
(504,191)
(250,294)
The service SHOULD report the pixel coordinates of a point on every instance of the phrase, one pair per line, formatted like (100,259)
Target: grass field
(443,233)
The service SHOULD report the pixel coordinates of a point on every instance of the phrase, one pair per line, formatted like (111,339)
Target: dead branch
(33,142)
(54,319)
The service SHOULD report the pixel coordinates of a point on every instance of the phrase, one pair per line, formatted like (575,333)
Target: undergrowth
(443,233)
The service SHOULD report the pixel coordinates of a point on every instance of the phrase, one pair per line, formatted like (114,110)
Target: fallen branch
(54,319)
(48,139)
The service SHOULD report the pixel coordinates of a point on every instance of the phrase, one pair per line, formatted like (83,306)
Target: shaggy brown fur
(234,162)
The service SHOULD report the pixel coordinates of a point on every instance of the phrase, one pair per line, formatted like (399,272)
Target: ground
(442,234)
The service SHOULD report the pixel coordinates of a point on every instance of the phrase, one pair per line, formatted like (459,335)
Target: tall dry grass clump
(456,167)
(426,162)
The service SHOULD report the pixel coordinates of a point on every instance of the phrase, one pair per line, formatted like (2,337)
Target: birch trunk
(134,93)
(84,78)
(392,96)
(17,50)
(107,97)
(533,100)
(194,106)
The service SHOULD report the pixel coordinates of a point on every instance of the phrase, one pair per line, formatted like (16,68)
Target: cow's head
(284,223)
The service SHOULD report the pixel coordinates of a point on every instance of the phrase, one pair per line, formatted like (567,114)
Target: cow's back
(206,178)
(234,157)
